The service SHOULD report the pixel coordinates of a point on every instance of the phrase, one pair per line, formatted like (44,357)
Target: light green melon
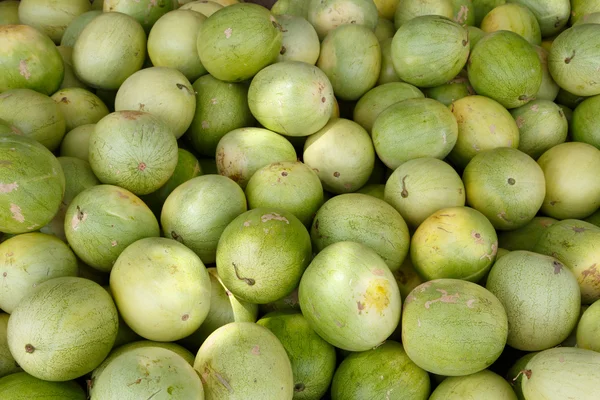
(204,7)
(52,335)
(482,385)
(516,18)
(551,15)
(300,40)
(22,386)
(69,79)
(526,237)
(146,12)
(8,365)
(79,107)
(51,17)
(588,328)
(9,12)
(76,143)
(580,8)
(448,93)
(591,18)
(75,27)
(387,72)
(384,29)
(326,15)
(373,189)
(410,9)
(549,89)
(291,7)
(482,7)
(475,35)
(584,126)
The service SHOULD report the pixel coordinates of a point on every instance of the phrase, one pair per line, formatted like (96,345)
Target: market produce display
(300,199)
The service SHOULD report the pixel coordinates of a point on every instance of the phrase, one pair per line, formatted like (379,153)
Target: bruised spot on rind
(16,212)
(274,217)
(228,32)
(8,187)
(23,70)
(256,350)
(445,298)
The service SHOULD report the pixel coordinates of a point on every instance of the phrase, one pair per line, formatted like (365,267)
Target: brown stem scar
(249,281)
(404,192)
(29,348)
(569,59)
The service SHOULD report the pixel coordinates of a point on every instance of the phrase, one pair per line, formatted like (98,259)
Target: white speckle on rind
(228,32)
(8,187)
(16,213)
(23,70)
(274,216)
(205,124)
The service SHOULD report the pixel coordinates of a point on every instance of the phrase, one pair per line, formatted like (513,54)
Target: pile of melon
(311,199)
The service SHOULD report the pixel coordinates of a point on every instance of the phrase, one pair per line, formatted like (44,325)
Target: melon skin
(206,8)
(76,143)
(64,329)
(51,18)
(548,312)
(410,9)
(360,307)
(35,115)
(23,49)
(482,385)
(8,365)
(453,327)
(526,237)
(27,170)
(149,269)
(242,31)
(448,93)
(384,369)
(29,259)
(516,18)
(300,40)
(387,71)
(146,12)
(291,7)
(588,328)
(79,107)
(327,15)
(584,126)
(109,49)
(143,372)
(511,81)
(134,150)
(551,15)
(430,50)
(22,386)
(75,27)
(243,360)
(580,8)
(103,220)
(560,373)
(9,12)
(483,7)
(70,79)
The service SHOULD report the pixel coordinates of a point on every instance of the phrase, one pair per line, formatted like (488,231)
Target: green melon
(103,220)
(386,8)
(549,89)
(511,81)
(464,12)
(291,98)
(125,334)
(410,9)
(206,213)
(51,334)
(363,219)
(383,370)
(22,386)
(376,100)
(373,189)
(416,191)
(456,242)
(133,149)
(8,129)
(515,374)
(146,12)
(300,40)
(225,307)
(242,152)
(351,58)
(506,185)
(9,12)
(350,297)
(430,50)
(246,32)
(542,125)
(243,360)
(453,327)
(69,79)
(28,170)
(341,154)
(187,168)
(580,8)
(407,279)
(75,27)
(109,49)
(482,385)
(483,124)
(291,7)
(161,91)
(516,18)
(97,4)
(569,99)
(292,186)
(573,242)
(482,7)
(387,72)
(573,60)
(541,298)
(551,15)
(594,218)
(326,15)
(572,190)
(204,7)
(526,237)
(588,328)
(584,127)
(76,143)
(51,17)
(262,254)
(8,365)
(385,29)
(313,359)
(414,128)
(475,35)
(21,55)
(35,115)
(29,259)
(220,108)
(144,372)
(448,93)
(592,18)
(170,274)
(172,42)
(79,107)
(560,373)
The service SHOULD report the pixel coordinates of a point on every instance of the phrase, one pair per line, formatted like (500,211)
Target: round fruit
(326,15)
(572,190)
(28,170)
(242,31)
(243,360)
(480,385)
(453,327)
(430,50)
(482,7)
(70,79)
(133,149)
(514,81)
(103,220)
(51,334)
(76,143)
(204,7)
(384,369)
(551,15)
(363,219)
(22,386)
(109,49)
(580,8)
(161,91)
(457,242)
(300,40)
(410,9)
(262,254)
(414,128)
(588,328)
(75,27)
(8,365)
(584,127)
(387,72)
(516,18)
(448,93)
(51,18)
(292,98)
(360,307)
(79,107)
(146,12)
(9,12)
(526,237)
